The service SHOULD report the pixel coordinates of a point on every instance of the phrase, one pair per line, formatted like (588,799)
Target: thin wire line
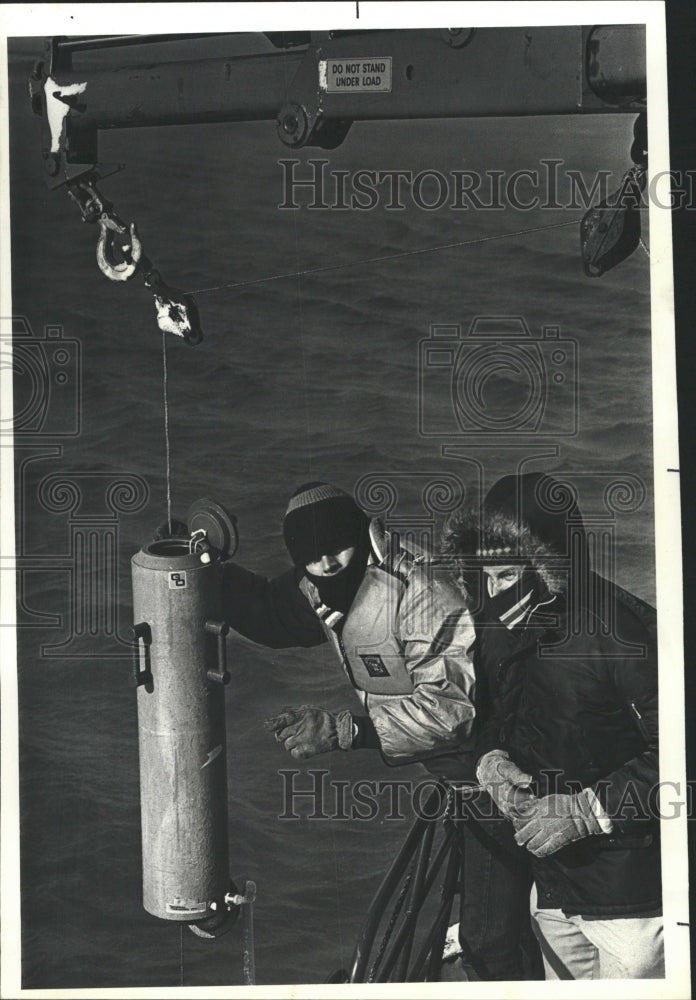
(166,431)
(376,260)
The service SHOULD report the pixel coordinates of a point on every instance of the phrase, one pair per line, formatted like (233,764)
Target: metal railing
(414,925)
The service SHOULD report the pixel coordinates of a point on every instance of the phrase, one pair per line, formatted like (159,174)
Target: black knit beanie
(320,520)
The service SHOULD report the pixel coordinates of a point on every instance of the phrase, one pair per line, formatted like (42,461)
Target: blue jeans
(494,923)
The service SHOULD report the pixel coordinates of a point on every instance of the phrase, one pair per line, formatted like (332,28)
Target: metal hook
(120,256)
(130,246)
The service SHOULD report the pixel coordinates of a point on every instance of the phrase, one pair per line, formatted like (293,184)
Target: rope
(392,923)
(168,471)
(385,257)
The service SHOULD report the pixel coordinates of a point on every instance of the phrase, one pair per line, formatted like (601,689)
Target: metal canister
(180,672)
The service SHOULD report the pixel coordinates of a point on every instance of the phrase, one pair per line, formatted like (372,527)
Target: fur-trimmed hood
(530,518)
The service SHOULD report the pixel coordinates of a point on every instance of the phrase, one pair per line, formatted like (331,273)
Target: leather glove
(506,784)
(306,731)
(548,824)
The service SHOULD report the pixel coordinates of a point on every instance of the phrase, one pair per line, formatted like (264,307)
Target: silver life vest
(366,639)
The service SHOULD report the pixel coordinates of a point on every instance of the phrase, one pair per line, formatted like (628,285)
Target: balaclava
(538,505)
(322,519)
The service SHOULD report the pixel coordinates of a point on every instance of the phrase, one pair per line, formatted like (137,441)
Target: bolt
(290,124)
(457,37)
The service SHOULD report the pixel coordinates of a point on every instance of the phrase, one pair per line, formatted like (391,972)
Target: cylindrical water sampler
(180,669)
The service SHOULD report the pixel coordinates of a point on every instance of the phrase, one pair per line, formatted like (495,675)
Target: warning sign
(373,75)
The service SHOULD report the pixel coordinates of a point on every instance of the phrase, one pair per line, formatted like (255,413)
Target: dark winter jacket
(571,694)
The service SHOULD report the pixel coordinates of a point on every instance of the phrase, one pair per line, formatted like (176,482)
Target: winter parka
(571,695)
(404,644)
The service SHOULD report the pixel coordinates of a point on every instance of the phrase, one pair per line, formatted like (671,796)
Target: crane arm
(314,85)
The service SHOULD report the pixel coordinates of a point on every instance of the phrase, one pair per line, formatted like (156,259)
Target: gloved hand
(548,824)
(306,731)
(506,784)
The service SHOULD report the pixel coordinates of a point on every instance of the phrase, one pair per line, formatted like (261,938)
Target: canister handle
(220,629)
(142,677)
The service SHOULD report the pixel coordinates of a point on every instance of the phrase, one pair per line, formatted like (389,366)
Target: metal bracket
(237,899)
(223,915)
(177,312)
(300,120)
(610,232)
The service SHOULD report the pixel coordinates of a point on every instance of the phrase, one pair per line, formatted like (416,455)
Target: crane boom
(316,84)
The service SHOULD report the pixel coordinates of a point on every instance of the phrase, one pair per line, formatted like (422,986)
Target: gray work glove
(548,824)
(306,731)
(506,784)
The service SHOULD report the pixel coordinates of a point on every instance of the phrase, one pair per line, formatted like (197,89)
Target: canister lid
(219,525)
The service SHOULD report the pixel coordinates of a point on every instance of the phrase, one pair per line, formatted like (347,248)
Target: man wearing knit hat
(567,742)
(398,625)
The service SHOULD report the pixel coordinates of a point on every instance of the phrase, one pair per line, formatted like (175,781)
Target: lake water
(297,378)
